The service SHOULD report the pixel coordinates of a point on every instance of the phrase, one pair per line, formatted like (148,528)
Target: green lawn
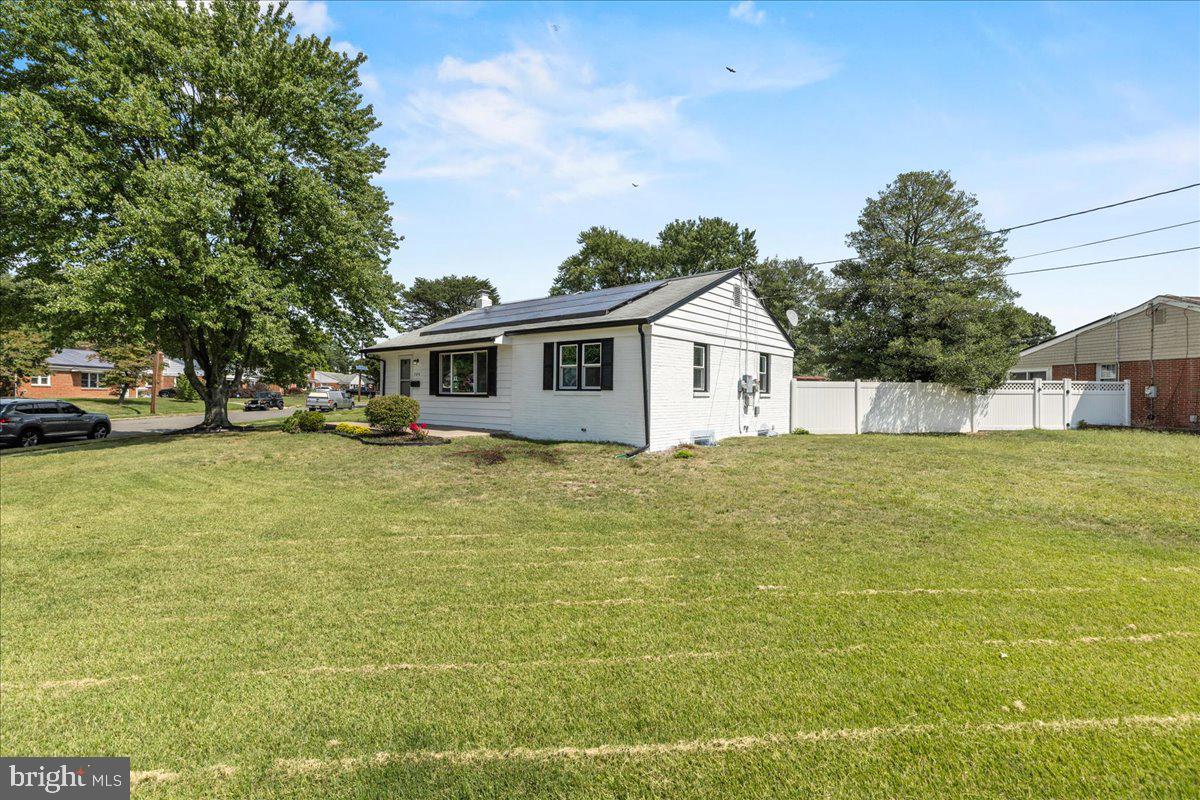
(273,616)
(140,407)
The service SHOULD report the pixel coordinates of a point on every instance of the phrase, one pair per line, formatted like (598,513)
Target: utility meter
(1152,391)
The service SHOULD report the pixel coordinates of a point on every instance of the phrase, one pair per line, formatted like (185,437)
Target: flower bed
(415,435)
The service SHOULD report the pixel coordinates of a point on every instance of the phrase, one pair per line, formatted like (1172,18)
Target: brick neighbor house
(76,372)
(1155,345)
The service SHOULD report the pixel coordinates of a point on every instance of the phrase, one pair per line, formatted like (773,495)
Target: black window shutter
(548,365)
(491,371)
(435,372)
(606,363)
(383,375)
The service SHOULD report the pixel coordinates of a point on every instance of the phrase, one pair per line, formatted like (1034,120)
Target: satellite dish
(793,318)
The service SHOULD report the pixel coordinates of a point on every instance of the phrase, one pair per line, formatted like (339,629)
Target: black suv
(28,422)
(264,400)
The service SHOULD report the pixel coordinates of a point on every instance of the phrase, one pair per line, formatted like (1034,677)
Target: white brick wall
(606,416)
(676,410)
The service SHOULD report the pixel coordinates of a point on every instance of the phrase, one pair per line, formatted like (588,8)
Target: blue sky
(512,127)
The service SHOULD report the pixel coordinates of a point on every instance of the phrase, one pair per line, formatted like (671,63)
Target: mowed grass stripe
(595,661)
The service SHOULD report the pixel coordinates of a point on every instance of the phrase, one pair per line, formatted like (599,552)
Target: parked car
(264,400)
(168,392)
(28,422)
(328,400)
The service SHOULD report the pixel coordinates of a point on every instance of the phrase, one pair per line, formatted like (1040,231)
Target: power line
(1036,222)
(1102,241)
(1106,261)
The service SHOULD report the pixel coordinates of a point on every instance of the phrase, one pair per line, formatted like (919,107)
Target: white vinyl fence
(878,407)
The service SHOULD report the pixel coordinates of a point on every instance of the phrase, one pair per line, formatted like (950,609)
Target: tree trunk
(216,406)
(121,396)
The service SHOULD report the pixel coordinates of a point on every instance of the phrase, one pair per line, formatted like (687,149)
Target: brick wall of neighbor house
(62,385)
(1178,381)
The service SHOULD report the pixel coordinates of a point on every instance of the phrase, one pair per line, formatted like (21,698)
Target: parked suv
(264,400)
(328,400)
(28,422)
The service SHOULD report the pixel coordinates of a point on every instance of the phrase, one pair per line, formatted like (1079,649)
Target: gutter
(645,390)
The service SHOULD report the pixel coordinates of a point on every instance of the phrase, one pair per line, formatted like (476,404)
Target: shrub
(419,430)
(353,428)
(799,431)
(684,454)
(184,389)
(303,421)
(393,413)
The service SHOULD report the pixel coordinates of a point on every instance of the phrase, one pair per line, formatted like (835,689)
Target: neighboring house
(1155,345)
(76,372)
(320,379)
(657,363)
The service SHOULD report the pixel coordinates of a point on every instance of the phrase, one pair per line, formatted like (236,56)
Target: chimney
(484,300)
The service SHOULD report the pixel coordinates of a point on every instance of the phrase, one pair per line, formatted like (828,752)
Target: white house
(658,364)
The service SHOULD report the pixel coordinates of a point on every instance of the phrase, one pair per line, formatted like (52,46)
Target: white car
(328,400)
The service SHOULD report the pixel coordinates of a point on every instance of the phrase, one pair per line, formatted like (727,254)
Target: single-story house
(322,379)
(1154,345)
(79,372)
(654,364)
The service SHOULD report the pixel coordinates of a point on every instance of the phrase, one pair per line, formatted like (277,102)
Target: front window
(1027,376)
(764,373)
(90,380)
(39,380)
(700,367)
(464,373)
(1106,372)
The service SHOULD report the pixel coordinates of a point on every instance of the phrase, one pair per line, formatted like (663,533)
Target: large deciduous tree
(926,299)
(605,258)
(431,299)
(786,284)
(196,175)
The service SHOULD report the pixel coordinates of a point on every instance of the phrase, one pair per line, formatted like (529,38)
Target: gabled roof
(323,376)
(77,358)
(621,305)
(1186,302)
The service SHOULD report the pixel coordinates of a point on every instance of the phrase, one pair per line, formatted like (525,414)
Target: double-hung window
(699,368)
(764,373)
(1107,372)
(579,366)
(90,380)
(465,373)
(39,380)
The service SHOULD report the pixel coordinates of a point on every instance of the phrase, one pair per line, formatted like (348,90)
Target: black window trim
(487,370)
(707,367)
(579,344)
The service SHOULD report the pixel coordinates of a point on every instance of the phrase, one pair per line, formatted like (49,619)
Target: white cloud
(747,11)
(312,17)
(537,122)
(1174,147)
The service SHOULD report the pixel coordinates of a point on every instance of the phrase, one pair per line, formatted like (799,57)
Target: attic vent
(737,294)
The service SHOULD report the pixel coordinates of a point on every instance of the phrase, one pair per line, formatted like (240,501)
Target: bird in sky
(635,186)
(731,69)
(555,28)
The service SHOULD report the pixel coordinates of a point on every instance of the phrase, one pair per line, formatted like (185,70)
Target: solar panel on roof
(567,306)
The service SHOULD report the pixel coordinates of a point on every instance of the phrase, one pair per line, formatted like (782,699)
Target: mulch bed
(387,440)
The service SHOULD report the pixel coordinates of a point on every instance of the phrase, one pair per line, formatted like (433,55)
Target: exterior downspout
(645,395)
